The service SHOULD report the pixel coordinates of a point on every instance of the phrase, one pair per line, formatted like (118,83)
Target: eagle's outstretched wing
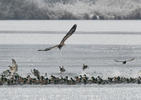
(118,60)
(131,59)
(124,60)
(49,48)
(71,31)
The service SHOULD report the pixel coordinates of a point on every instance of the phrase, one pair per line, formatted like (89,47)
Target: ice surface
(51,32)
(63,92)
(28,56)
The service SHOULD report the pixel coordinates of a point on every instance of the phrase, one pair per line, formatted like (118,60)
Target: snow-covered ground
(63,92)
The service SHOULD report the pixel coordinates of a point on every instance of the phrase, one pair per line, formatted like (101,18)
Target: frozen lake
(84,92)
(96,43)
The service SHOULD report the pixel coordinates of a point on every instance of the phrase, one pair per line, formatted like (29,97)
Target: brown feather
(49,48)
(71,31)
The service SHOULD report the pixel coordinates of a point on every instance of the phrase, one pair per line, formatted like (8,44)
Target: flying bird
(71,31)
(124,61)
(85,66)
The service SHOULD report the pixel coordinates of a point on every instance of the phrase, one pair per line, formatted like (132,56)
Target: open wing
(49,48)
(131,59)
(118,60)
(124,60)
(71,31)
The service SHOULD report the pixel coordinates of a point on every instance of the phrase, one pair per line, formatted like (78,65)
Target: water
(99,58)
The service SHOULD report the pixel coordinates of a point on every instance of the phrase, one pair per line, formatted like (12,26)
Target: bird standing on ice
(71,31)
(36,73)
(14,67)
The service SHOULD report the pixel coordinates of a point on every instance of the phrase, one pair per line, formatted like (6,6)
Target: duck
(6,73)
(36,73)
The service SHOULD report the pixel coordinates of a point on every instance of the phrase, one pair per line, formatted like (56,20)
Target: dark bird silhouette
(85,66)
(62,69)
(71,31)
(124,61)
(36,73)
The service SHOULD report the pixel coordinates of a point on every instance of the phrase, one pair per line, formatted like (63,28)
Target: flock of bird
(16,79)
(14,68)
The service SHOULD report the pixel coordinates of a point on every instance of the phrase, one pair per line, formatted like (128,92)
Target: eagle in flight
(71,31)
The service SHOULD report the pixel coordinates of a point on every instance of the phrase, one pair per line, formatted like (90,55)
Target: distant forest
(70,9)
